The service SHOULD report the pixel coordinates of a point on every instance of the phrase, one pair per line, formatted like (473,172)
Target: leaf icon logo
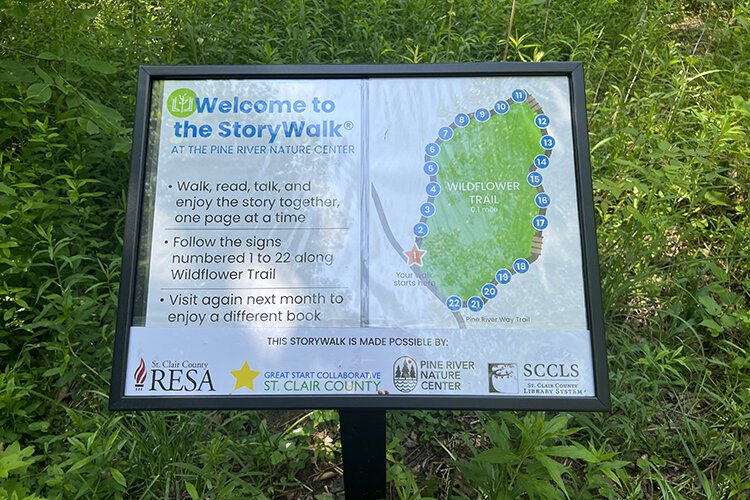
(181,103)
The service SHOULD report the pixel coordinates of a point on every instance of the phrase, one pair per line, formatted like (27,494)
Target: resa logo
(140,375)
(173,376)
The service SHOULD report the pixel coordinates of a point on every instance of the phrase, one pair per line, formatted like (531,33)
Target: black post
(363,450)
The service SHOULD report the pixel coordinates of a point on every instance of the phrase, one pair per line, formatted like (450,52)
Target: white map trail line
(399,249)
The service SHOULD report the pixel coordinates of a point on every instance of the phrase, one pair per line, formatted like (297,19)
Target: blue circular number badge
(541,121)
(421,229)
(475,304)
(521,265)
(489,291)
(540,222)
(535,179)
(427,209)
(445,133)
(542,200)
(461,119)
(547,142)
(453,303)
(501,107)
(503,276)
(541,161)
(432,149)
(519,95)
(482,115)
(433,189)
(431,168)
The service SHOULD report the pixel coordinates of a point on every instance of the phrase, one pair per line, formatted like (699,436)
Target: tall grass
(668,110)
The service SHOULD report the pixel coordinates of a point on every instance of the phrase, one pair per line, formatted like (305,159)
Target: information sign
(408,236)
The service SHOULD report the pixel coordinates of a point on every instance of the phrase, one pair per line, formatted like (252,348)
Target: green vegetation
(669,108)
(462,246)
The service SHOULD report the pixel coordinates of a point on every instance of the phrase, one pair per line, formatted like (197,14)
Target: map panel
(488,174)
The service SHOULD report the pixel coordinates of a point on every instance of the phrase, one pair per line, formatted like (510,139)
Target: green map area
(483,214)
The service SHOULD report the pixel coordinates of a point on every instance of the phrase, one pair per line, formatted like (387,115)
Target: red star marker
(415,255)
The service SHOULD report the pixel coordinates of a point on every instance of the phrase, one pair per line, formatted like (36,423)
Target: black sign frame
(573,71)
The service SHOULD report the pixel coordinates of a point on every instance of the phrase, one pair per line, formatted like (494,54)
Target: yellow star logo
(245,377)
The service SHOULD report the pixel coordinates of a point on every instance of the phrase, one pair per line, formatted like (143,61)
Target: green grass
(668,112)
(466,245)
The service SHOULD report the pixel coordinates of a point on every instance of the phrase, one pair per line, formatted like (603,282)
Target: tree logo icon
(181,103)
(405,375)
(503,378)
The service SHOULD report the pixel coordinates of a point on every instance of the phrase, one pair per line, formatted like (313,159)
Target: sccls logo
(551,370)
(503,378)
(173,376)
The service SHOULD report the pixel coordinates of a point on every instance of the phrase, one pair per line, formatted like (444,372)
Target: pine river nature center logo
(181,103)
(405,374)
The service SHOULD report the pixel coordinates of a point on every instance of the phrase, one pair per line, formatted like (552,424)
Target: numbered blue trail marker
(421,229)
(475,304)
(542,200)
(445,133)
(539,222)
(427,209)
(519,95)
(541,121)
(535,179)
(453,303)
(432,149)
(501,107)
(461,119)
(547,142)
(431,168)
(521,265)
(503,276)
(482,115)
(489,291)
(541,161)
(433,188)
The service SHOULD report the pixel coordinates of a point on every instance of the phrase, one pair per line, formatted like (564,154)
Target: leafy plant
(524,458)
(15,461)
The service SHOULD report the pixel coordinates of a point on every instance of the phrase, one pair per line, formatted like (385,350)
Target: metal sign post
(363,450)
